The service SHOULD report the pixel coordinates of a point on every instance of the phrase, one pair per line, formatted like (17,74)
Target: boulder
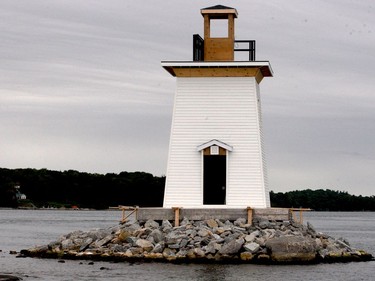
(157,235)
(212,223)
(151,224)
(251,247)
(232,247)
(292,249)
(144,244)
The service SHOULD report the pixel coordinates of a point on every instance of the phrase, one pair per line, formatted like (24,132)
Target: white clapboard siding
(226,109)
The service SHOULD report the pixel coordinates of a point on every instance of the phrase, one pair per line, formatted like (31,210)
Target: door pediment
(214,142)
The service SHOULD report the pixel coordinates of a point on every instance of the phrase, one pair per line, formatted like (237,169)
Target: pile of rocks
(203,241)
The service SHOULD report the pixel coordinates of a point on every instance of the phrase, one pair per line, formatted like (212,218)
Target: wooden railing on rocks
(132,210)
(176,213)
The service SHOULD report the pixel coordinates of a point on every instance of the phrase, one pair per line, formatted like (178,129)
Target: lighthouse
(216,154)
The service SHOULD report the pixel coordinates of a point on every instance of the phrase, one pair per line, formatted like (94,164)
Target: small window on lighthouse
(214,150)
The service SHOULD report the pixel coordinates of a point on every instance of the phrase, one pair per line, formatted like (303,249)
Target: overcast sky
(81,85)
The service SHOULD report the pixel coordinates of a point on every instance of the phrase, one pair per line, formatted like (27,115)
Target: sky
(82,88)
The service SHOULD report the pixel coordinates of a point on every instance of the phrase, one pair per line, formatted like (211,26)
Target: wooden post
(176,215)
(249,215)
(300,216)
(123,216)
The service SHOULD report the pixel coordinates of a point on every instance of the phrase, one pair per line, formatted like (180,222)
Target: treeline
(323,200)
(46,188)
(71,188)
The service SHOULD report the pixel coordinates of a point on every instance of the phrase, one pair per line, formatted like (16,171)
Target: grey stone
(264,224)
(144,244)
(118,248)
(181,253)
(251,247)
(151,224)
(166,224)
(159,247)
(85,244)
(174,246)
(213,247)
(132,240)
(240,222)
(67,244)
(289,249)
(103,241)
(212,223)
(185,222)
(203,233)
(232,247)
(199,252)
(184,242)
(157,235)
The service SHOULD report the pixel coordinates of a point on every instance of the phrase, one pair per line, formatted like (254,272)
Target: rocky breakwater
(203,241)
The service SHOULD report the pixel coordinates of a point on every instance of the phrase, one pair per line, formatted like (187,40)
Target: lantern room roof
(219,12)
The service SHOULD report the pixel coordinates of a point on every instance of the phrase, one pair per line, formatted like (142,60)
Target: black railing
(198,48)
(250,49)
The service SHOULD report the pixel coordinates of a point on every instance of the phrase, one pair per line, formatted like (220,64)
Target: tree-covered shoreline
(48,188)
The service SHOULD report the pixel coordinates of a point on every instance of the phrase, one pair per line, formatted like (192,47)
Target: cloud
(81,86)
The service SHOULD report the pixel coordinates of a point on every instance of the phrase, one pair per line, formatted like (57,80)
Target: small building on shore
(216,153)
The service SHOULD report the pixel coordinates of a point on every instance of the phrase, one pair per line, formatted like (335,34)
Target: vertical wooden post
(300,216)
(123,216)
(249,215)
(176,215)
(136,212)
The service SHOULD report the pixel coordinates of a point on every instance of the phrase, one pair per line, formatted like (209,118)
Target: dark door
(214,179)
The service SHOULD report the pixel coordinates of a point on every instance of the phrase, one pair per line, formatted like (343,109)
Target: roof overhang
(173,66)
(219,12)
(214,142)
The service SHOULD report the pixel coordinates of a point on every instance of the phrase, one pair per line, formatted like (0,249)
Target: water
(20,229)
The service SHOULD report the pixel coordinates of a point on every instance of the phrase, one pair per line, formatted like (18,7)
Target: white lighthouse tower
(216,154)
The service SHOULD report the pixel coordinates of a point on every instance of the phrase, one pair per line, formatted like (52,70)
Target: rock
(85,244)
(213,247)
(264,224)
(157,235)
(103,241)
(263,258)
(232,247)
(169,254)
(209,240)
(246,256)
(240,222)
(310,228)
(212,223)
(124,234)
(151,224)
(251,247)
(203,233)
(185,222)
(13,252)
(132,240)
(181,253)
(159,247)
(144,244)
(184,242)
(251,237)
(132,226)
(166,224)
(292,249)
(199,253)
(67,244)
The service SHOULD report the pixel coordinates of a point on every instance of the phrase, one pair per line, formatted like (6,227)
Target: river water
(21,229)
